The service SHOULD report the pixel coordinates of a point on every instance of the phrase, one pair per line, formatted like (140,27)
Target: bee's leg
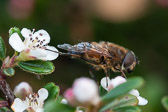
(107,72)
(123,74)
(60,53)
(65,54)
(91,74)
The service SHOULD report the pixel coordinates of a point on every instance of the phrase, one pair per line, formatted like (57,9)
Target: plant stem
(5,88)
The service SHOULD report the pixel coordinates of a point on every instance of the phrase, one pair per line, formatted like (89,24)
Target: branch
(4,87)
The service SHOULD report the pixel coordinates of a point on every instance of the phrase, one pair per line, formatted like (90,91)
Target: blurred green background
(139,25)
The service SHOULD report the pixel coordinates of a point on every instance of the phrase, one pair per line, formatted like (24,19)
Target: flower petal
(134,92)
(16,42)
(117,81)
(104,83)
(38,53)
(40,110)
(64,101)
(51,55)
(26,33)
(142,101)
(43,94)
(42,35)
(18,105)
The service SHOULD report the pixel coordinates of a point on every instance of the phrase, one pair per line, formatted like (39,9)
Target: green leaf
(53,91)
(15,30)
(2,49)
(102,91)
(9,71)
(126,100)
(53,106)
(37,66)
(165,102)
(128,109)
(5,109)
(123,89)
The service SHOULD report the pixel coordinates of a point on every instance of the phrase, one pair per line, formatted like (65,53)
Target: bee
(103,55)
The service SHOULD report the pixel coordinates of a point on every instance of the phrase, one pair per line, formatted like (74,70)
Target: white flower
(22,90)
(105,82)
(86,91)
(32,103)
(142,101)
(34,45)
(112,83)
(116,82)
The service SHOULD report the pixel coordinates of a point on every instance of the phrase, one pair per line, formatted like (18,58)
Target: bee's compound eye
(129,60)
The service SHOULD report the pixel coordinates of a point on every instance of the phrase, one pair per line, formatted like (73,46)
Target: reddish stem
(4,104)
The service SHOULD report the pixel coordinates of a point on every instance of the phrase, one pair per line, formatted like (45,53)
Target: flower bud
(22,90)
(69,96)
(86,91)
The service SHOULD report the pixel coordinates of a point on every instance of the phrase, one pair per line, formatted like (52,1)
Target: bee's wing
(78,48)
(66,47)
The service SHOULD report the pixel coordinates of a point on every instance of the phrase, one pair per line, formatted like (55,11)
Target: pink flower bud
(69,96)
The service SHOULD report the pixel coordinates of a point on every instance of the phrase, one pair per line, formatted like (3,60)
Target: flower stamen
(33,30)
